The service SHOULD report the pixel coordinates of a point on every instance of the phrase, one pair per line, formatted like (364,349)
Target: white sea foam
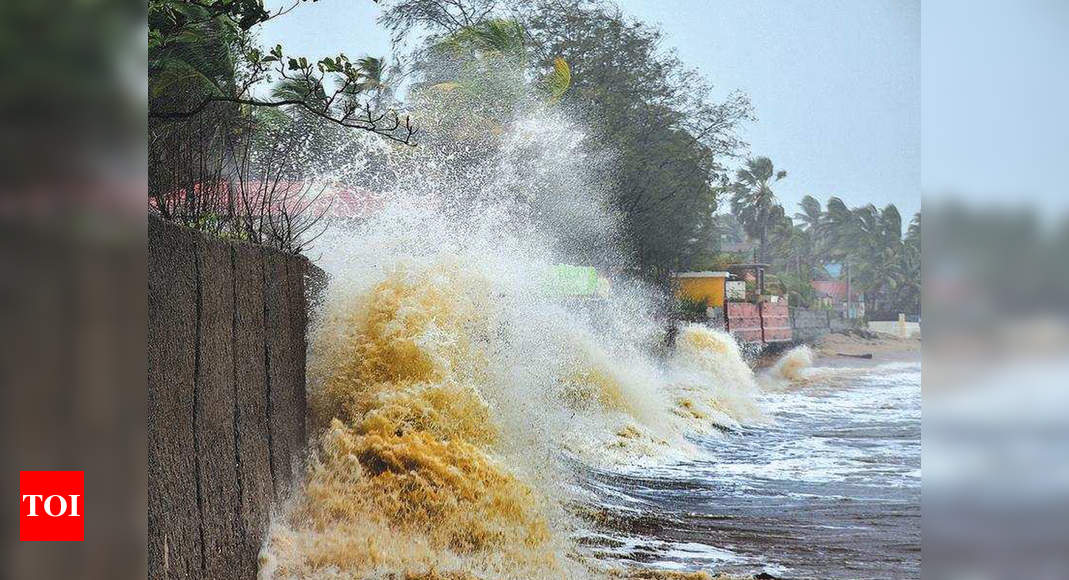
(448,385)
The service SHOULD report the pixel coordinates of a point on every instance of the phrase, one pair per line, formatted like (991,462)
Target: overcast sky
(835,84)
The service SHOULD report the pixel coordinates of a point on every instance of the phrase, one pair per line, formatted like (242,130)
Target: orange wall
(708,288)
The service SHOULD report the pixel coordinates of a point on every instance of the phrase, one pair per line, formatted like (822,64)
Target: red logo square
(51,506)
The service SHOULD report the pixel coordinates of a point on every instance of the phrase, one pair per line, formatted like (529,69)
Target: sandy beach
(882,347)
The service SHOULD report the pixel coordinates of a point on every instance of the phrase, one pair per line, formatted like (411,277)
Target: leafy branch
(330,89)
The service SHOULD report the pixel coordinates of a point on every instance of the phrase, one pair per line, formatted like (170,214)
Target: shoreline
(884,348)
(841,349)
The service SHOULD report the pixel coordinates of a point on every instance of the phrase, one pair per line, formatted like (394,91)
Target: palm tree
(811,216)
(498,37)
(793,246)
(913,234)
(872,238)
(891,225)
(300,90)
(754,203)
(839,226)
(498,44)
(812,220)
(908,291)
(374,81)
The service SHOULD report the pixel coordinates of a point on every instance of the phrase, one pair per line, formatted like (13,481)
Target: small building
(831,293)
(702,286)
(836,294)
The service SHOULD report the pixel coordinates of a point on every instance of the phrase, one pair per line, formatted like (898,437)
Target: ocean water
(466,422)
(830,489)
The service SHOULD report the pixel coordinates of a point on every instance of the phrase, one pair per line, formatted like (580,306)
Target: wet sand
(882,347)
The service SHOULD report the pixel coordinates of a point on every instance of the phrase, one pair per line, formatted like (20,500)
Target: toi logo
(50,506)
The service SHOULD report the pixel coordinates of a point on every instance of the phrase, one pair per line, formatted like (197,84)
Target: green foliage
(486,62)
(884,266)
(692,309)
(202,53)
(499,37)
(653,118)
(224,159)
(647,112)
(798,289)
(754,203)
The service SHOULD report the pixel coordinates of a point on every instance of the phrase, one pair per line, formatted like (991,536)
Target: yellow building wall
(710,289)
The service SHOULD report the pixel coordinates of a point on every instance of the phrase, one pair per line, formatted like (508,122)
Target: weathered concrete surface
(226,398)
(286,427)
(809,325)
(174,523)
(250,376)
(214,418)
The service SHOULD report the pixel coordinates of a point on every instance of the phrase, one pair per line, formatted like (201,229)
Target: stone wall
(808,325)
(226,398)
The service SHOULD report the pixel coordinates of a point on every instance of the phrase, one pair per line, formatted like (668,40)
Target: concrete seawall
(226,398)
(809,325)
(900,329)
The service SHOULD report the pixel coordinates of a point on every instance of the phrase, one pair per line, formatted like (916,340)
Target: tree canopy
(883,261)
(202,53)
(667,138)
(754,203)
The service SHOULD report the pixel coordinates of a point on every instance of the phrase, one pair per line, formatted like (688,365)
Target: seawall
(226,397)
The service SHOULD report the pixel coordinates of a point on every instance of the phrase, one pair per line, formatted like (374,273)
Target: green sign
(568,280)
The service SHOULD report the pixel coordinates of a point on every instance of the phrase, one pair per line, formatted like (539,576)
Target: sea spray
(795,370)
(450,391)
(407,479)
(792,366)
(713,385)
(410,474)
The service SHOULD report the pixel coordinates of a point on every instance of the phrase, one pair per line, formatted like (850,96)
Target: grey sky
(836,88)
(835,85)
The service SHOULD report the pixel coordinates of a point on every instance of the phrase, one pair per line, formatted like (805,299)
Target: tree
(668,140)
(375,81)
(812,220)
(647,112)
(640,96)
(908,290)
(754,202)
(839,229)
(884,266)
(438,16)
(489,62)
(794,249)
(203,51)
(231,163)
(875,246)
